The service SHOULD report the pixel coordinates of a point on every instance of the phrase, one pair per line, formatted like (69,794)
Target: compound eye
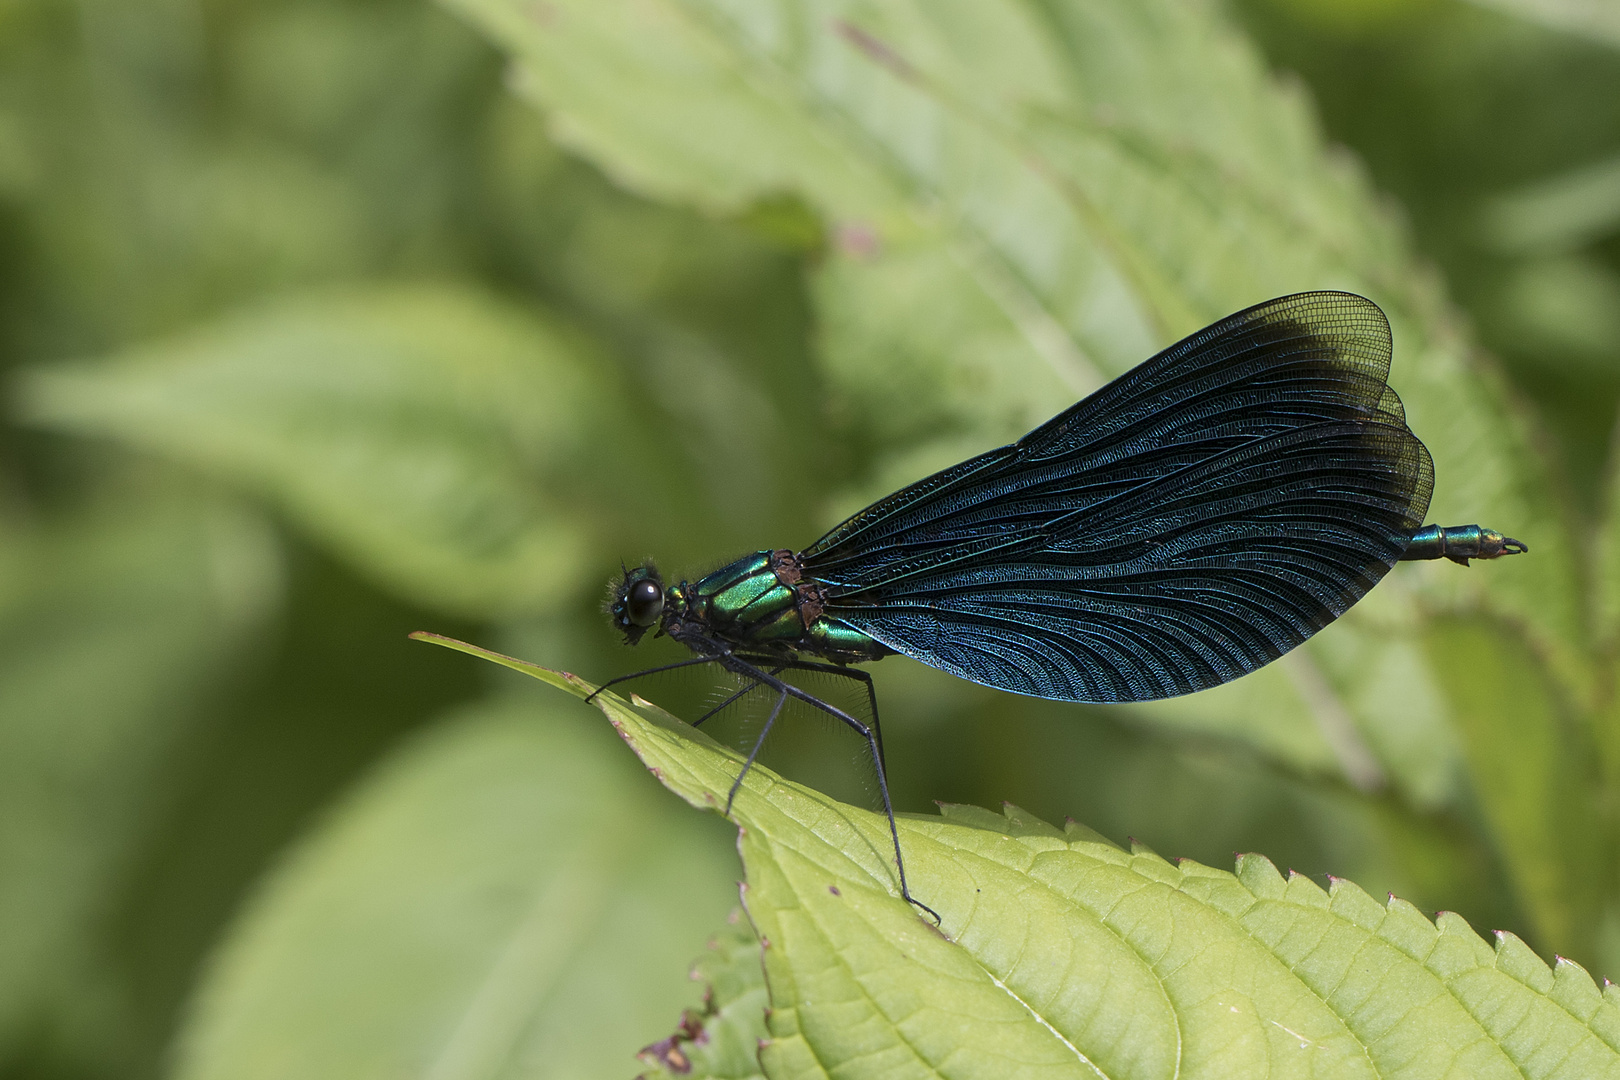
(644,602)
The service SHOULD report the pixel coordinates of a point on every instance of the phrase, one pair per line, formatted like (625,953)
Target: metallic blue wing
(1196,518)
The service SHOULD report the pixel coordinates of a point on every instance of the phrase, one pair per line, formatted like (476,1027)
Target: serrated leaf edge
(1399,924)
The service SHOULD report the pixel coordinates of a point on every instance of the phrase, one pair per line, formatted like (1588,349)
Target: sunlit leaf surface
(1059,954)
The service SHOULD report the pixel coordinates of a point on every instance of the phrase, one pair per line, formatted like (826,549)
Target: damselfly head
(637,602)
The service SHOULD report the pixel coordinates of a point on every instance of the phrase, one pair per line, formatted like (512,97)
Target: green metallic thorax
(763,602)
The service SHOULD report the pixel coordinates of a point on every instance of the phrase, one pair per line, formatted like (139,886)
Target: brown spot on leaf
(669,1052)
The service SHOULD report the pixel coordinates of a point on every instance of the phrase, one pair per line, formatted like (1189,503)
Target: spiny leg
(653,671)
(867,732)
(750,688)
(754,753)
(848,673)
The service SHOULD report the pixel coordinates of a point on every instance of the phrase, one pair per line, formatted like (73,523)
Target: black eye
(644,602)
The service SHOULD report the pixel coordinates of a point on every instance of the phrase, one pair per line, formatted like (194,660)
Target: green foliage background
(328,321)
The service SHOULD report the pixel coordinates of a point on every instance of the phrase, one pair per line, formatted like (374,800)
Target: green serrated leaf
(503,898)
(1021,200)
(1058,955)
(423,431)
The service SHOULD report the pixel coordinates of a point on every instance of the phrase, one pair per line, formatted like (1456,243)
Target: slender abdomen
(1459,543)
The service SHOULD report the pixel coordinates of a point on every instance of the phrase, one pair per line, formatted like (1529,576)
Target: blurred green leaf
(721,1040)
(99,695)
(171,159)
(1607,557)
(431,434)
(1558,213)
(712,324)
(1023,200)
(1379,673)
(1534,781)
(1567,310)
(1597,19)
(1061,954)
(504,897)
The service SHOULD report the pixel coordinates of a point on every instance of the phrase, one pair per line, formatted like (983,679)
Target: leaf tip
(1515,958)
(559,679)
(1449,922)
(1352,902)
(1022,823)
(1074,832)
(1302,888)
(1259,875)
(1575,989)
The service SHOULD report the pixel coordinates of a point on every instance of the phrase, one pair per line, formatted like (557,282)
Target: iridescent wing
(1194,519)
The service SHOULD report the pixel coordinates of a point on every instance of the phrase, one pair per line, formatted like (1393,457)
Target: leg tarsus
(894,830)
